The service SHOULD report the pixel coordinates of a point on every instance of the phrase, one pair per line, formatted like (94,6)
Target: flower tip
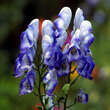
(66,10)
(79,18)
(79,10)
(86,25)
(34,21)
(47,27)
(46,23)
(66,15)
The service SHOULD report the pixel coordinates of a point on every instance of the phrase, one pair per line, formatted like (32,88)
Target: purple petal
(34,26)
(53,56)
(24,44)
(27,83)
(82,97)
(64,68)
(23,63)
(85,67)
(25,86)
(87,41)
(74,53)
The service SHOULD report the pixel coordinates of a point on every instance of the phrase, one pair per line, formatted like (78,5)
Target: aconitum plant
(43,62)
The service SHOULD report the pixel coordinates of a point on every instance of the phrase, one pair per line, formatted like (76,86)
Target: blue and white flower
(24,62)
(79,51)
(50,79)
(27,83)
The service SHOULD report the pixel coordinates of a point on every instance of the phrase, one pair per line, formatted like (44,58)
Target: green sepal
(66,88)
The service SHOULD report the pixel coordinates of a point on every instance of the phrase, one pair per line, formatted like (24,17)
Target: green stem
(66,96)
(65,102)
(39,91)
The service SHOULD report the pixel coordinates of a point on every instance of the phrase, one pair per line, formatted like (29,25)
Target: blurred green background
(15,15)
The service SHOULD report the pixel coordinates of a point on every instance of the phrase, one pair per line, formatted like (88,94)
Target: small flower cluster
(59,60)
(24,62)
(57,53)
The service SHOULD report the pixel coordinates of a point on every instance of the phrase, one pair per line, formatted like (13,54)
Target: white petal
(47,55)
(34,21)
(25,42)
(30,35)
(66,15)
(85,26)
(62,39)
(46,42)
(78,18)
(47,28)
(76,36)
(47,38)
(34,26)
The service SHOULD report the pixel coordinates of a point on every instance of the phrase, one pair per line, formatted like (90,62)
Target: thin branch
(40,96)
(66,97)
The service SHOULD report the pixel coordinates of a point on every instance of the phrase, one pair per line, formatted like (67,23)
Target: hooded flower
(27,83)
(61,25)
(24,62)
(78,49)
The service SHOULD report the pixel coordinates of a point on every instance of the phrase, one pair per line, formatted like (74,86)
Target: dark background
(15,15)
